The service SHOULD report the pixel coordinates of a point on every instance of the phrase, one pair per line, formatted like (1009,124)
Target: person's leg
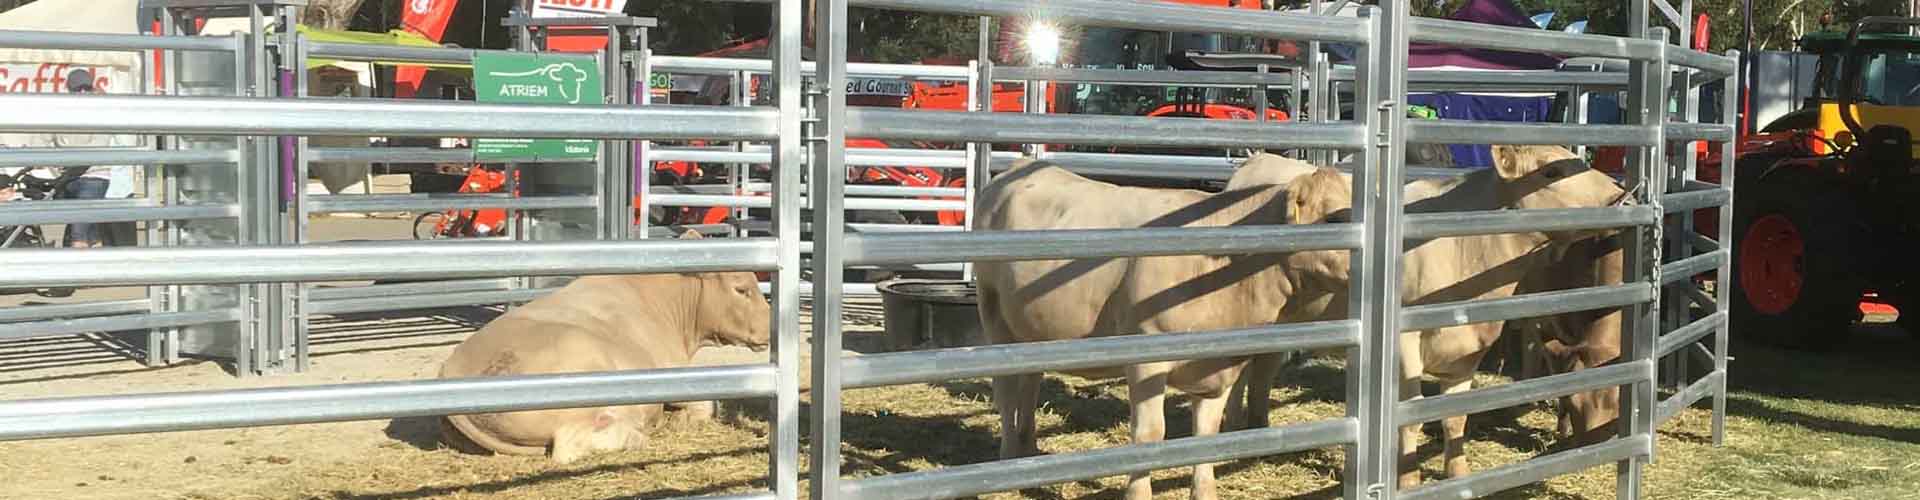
(85,235)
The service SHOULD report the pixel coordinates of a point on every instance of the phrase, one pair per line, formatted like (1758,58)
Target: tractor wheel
(1793,276)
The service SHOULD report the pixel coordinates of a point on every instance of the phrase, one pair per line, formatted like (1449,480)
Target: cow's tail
(458,432)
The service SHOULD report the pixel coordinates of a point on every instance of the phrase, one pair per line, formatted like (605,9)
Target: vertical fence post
(1722,284)
(826,187)
(1646,107)
(784,439)
(297,209)
(1373,378)
(973,176)
(981,89)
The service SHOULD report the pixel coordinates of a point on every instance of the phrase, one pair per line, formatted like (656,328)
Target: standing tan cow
(1583,339)
(1456,268)
(601,323)
(1034,301)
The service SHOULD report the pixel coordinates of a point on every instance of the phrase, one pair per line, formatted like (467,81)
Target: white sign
(578,8)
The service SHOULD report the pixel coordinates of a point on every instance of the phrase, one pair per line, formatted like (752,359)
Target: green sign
(535,78)
(659,81)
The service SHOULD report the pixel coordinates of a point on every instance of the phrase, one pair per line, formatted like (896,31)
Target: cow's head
(731,310)
(1534,177)
(1324,196)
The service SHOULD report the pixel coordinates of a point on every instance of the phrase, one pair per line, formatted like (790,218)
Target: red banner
(428,18)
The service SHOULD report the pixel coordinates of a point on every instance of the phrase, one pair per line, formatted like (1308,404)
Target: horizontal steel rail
(1149,16)
(1686,269)
(342,262)
(1495,480)
(184,411)
(395,53)
(1694,392)
(1716,66)
(866,190)
(1533,41)
(1513,80)
(1687,201)
(726,65)
(1680,337)
(1701,242)
(1029,472)
(957,126)
(982,246)
(62,40)
(65,113)
(415,155)
(113,156)
(710,200)
(1699,132)
(97,211)
(47,328)
(1698,297)
(1143,77)
(1431,408)
(428,301)
(317,294)
(1430,316)
(878,370)
(321,204)
(1421,226)
(84,309)
(1479,132)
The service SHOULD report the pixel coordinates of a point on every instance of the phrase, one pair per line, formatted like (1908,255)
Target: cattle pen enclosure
(1338,426)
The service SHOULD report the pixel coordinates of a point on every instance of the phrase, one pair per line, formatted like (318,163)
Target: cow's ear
(690,235)
(1512,161)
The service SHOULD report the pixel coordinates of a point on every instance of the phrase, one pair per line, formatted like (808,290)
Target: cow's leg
(1456,430)
(1258,384)
(1206,422)
(1410,436)
(1235,415)
(1017,397)
(1147,390)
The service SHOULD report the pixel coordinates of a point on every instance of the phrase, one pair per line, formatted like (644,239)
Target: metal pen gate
(1378,134)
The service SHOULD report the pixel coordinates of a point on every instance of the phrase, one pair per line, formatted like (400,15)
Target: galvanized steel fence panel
(1369,432)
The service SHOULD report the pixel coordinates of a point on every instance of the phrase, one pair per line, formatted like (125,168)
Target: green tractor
(1825,195)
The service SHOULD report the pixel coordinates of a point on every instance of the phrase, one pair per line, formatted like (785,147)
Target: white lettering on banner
(579,8)
(420,6)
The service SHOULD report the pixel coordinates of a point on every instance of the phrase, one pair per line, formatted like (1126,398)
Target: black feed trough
(930,314)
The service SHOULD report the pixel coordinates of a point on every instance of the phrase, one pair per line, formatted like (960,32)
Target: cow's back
(1059,299)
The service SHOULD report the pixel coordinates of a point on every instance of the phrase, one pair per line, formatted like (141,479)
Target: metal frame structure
(199,189)
(1379,134)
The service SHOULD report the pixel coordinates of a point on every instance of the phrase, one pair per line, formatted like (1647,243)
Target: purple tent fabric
(1494,12)
(1452,106)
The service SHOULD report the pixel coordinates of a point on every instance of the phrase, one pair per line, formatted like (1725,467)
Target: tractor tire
(1794,279)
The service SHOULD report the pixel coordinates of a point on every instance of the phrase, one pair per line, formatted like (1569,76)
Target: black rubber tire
(424,224)
(1820,317)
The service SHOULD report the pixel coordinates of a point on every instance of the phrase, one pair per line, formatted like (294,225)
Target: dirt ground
(1832,425)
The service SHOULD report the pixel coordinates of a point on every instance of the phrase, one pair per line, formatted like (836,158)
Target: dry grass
(1828,426)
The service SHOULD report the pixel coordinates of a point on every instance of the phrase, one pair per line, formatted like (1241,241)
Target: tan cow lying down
(600,323)
(1457,268)
(1036,301)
